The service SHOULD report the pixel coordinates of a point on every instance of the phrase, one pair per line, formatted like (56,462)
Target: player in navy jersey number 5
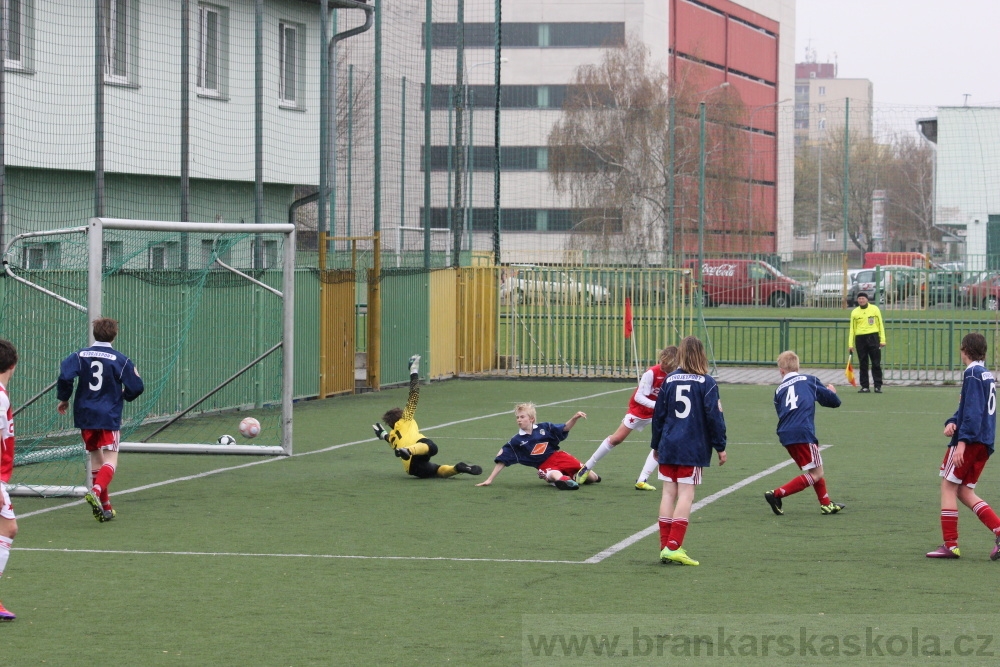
(795,402)
(107,378)
(687,425)
(972,430)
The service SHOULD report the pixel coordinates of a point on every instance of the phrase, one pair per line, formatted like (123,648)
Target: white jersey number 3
(97,381)
(681,398)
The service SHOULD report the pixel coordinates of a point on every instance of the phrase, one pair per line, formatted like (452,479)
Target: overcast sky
(915,52)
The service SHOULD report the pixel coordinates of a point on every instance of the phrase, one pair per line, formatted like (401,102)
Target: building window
(530,35)
(212,50)
(536,220)
(831,236)
(511,96)
(18,33)
(164,256)
(290,44)
(40,256)
(822,123)
(111,254)
(116,40)
(822,108)
(209,255)
(265,254)
(822,90)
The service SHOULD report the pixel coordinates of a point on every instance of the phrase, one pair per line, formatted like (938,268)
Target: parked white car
(535,285)
(829,288)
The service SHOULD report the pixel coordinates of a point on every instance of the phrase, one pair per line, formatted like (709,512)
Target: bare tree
(910,186)
(610,154)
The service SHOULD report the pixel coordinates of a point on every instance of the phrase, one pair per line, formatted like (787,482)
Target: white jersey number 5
(97,381)
(681,398)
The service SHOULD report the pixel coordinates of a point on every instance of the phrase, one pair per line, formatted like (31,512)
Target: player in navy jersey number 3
(687,425)
(107,378)
(795,402)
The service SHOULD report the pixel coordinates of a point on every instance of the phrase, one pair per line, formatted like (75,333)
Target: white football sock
(599,454)
(648,468)
(5,543)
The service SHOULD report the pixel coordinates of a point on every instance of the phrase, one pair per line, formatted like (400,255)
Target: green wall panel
(405,323)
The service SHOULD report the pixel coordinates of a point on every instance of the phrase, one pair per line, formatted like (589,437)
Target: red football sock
(794,486)
(820,488)
(676,537)
(987,516)
(949,527)
(104,477)
(665,522)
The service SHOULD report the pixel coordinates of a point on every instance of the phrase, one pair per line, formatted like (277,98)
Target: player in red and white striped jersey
(8,522)
(640,413)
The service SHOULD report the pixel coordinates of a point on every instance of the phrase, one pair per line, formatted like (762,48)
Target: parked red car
(746,282)
(982,291)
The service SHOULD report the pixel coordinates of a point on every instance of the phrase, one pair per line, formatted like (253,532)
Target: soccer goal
(206,311)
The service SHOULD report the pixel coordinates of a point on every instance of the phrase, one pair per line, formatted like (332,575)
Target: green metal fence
(916,349)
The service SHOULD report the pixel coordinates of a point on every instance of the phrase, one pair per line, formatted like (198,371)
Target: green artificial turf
(337,557)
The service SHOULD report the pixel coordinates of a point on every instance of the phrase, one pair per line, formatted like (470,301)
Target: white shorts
(636,423)
(6,509)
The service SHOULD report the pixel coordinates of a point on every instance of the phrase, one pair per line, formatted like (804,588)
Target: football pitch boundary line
(208,473)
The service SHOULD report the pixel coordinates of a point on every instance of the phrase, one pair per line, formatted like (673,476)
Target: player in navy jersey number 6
(795,402)
(107,379)
(687,425)
(972,430)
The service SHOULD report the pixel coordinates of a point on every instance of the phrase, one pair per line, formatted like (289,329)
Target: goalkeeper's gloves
(380,432)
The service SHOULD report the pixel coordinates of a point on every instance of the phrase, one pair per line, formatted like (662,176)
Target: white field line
(319,556)
(217,471)
(632,539)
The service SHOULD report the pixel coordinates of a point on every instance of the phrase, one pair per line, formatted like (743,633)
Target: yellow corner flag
(849,372)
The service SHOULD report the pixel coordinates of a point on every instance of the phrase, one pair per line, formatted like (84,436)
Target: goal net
(205,311)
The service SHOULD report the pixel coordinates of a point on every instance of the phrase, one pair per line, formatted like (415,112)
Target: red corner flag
(628,318)
(849,372)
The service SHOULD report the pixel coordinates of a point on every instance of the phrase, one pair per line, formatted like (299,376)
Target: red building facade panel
(716,41)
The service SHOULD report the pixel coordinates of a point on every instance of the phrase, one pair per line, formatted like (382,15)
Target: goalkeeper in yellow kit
(408,443)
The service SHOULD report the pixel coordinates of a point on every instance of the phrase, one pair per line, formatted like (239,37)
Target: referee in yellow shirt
(868,335)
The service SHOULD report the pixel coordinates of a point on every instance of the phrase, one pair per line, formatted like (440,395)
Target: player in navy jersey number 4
(107,378)
(795,402)
(687,425)
(972,430)
(537,445)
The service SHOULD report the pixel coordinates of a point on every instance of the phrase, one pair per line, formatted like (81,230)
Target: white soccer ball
(227,440)
(249,427)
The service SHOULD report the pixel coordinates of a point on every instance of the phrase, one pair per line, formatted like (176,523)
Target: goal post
(206,312)
(95,273)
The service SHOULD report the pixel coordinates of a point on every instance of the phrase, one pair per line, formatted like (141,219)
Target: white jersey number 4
(791,398)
